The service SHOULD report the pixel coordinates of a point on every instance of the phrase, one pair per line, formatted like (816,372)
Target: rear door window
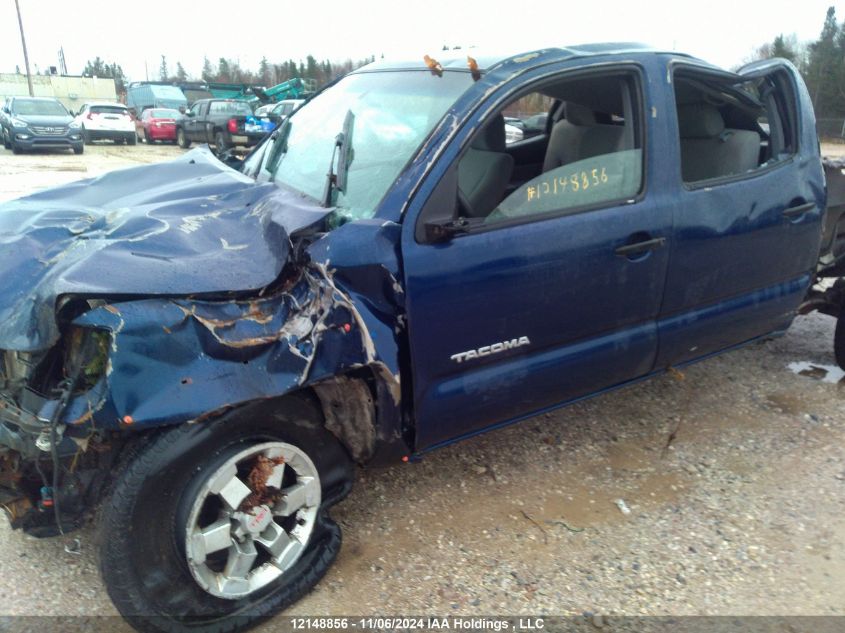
(732,130)
(230,107)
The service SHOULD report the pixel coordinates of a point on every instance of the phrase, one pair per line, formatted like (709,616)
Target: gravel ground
(733,472)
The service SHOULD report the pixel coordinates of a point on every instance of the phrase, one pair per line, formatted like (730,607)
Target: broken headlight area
(36,386)
(86,357)
(43,461)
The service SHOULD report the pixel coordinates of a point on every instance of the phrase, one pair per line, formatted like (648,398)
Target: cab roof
(456,59)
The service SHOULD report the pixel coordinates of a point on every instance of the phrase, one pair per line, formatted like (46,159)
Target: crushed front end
(51,471)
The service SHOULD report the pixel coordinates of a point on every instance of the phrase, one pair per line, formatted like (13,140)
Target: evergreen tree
(181,75)
(264,72)
(223,72)
(99,68)
(208,71)
(162,70)
(311,69)
(824,64)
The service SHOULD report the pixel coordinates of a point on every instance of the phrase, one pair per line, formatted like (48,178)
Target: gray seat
(580,136)
(709,149)
(485,170)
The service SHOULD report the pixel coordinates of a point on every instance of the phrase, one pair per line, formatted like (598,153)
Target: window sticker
(582,183)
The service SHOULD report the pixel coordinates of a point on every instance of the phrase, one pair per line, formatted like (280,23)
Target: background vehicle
(381,277)
(276,112)
(220,122)
(513,133)
(140,96)
(38,123)
(292,89)
(157,124)
(106,121)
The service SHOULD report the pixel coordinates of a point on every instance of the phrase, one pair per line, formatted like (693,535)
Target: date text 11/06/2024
(468,623)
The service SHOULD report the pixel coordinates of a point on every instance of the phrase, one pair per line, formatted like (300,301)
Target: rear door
(552,296)
(750,201)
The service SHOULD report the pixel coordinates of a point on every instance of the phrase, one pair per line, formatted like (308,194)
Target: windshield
(393,113)
(37,107)
(115,109)
(230,107)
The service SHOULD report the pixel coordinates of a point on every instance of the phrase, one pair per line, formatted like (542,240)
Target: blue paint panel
(532,381)
(589,313)
(734,250)
(707,329)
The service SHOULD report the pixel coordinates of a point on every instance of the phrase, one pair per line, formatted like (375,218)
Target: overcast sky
(724,32)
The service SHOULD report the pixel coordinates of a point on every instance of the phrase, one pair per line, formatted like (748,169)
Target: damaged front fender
(177,360)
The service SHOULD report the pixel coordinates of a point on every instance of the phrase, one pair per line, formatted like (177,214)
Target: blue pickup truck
(203,351)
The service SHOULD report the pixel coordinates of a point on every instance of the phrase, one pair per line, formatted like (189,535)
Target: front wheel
(182,139)
(220,143)
(213,526)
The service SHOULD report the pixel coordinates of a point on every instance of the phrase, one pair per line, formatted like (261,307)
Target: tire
(86,136)
(6,142)
(163,488)
(839,340)
(220,144)
(132,140)
(147,138)
(78,150)
(182,139)
(15,148)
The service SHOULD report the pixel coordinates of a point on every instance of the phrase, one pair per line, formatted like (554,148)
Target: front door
(552,295)
(192,122)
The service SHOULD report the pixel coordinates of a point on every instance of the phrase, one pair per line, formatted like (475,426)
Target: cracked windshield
(393,114)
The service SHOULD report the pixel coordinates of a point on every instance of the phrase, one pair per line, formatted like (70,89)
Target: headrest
(492,136)
(579,115)
(700,120)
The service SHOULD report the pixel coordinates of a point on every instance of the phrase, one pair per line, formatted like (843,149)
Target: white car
(105,120)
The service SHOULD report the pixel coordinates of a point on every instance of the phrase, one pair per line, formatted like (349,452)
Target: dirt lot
(742,512)
(26,173)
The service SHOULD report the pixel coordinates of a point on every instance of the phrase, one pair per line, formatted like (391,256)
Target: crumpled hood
(184,227)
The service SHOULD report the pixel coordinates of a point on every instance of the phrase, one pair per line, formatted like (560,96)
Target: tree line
(230,71)
(821,62)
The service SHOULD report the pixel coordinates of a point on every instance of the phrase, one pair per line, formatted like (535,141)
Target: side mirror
(445,230)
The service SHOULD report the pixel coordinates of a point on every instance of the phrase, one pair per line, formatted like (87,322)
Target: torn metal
(136,232)
(194,314)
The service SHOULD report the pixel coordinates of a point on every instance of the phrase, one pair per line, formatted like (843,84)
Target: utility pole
(25,54)
(62,61)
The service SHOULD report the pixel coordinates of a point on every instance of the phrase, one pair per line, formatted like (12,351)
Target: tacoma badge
(495,348)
